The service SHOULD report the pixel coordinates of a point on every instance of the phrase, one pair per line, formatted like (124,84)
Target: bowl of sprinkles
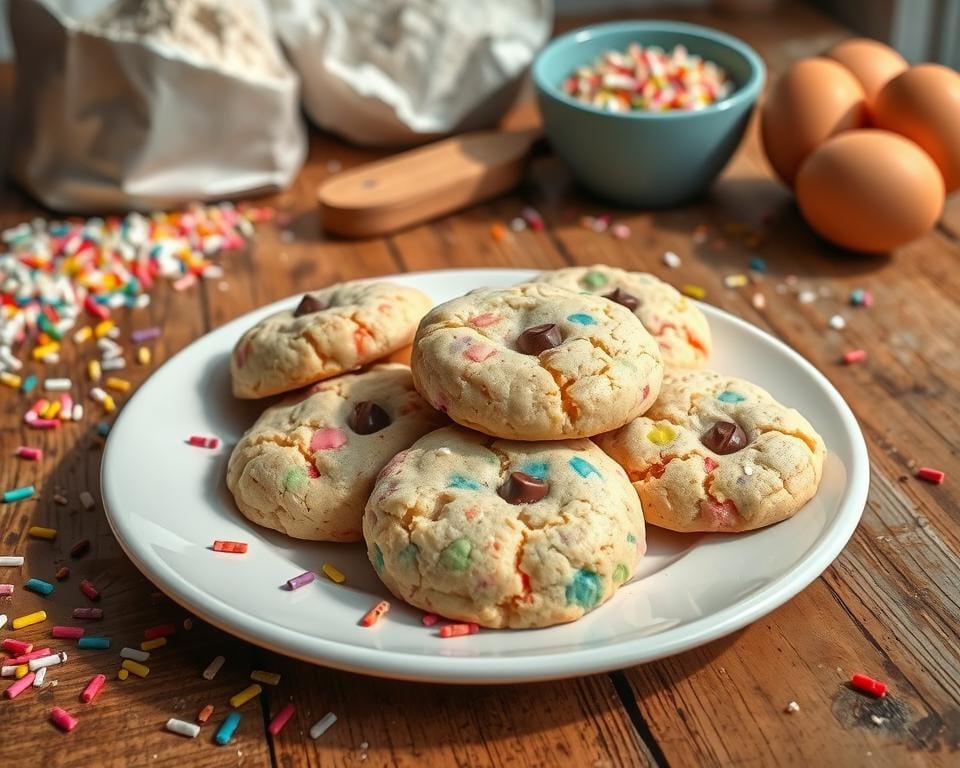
(646,113)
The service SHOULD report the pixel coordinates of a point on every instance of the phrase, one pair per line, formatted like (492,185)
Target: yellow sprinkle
(149,645)
(333,574)
(93,370)
(661,435)
(45,349)
(118,384)
(143,356)
(52,409)
(239,699)
(103,328)
(82,335)
(138,669)
(31,618)
(694,291)
(270,678)
(10,379)
(122,674)
(109,405)
(21,671)
(40,532)
(735,281)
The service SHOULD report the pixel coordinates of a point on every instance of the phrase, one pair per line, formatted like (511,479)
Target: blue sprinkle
(94,643)
(227,728)
(537,469)
(728,396)
(757,264)
(585,590)
(459,481)
(103,428)
(29,384)
(583,467)
(581,319)
(39,586)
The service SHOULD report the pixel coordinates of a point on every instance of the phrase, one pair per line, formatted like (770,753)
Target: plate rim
(526,667)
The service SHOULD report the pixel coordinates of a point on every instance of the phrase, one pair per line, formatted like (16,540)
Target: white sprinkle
(877,720)
(322,725)
(87,500)
(838,323)
(132,653)
(108,345)
(807,297)
(114,333)
(759,301)
(3,620)
(11,561)
(443,451)
(40,677)
(77,414)
(8,670)
(114,364)
(793,707)
(46,661)
(671,260)
(98,394)
(183,728)
(211,671)
(51,359)
(748,470)
(517,224)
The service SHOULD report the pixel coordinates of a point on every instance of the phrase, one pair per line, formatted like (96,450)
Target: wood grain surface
(889,605)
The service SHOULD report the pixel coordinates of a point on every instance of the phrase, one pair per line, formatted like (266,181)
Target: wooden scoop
(425,183)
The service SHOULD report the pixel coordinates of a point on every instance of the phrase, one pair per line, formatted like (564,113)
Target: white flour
(230,35)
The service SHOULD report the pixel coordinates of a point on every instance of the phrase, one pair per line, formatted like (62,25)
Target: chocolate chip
(308,305)
(535,340)
(724,437)
(521,488)
(368,417)
(623,298)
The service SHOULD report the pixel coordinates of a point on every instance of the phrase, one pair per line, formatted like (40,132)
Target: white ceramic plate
(167,502)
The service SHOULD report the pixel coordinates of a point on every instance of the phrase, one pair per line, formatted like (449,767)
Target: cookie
(673,320)
(329,332)
(503,533)
(306,467)
(536,362)
(716,453)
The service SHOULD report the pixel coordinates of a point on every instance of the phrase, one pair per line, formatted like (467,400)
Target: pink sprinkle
(187,281)
(26,452)
(854,356)
(532,217)
(61,718)
(429,619)
(709,464)
(480,352)
(328,438)
(20,685)
(93,688)
(280,719)
(68,633)
(620,231)
(43,423)
(39,653)
(302,580)
(204,442)
(6,589)
(89,590)
(482,321)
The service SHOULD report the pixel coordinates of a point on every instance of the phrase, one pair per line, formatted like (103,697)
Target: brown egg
(923,104)
(812,101)
(870,190)
(871,62)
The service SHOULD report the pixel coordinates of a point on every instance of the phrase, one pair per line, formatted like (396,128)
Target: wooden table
(889,605)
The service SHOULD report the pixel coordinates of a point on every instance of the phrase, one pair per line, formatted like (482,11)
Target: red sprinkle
(89,590)
(236,547)
(854,356)
(204,442)
(16,646)
(93,688)
(931,475)
(162,631)
(80,548)
(63,719)
(374,614)
(429,619)
(459,630)
(868,685)
(68,633)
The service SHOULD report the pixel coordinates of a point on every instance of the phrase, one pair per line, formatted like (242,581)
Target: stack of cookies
(578,411)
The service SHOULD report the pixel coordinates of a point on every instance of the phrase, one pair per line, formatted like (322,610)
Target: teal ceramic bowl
(645,159)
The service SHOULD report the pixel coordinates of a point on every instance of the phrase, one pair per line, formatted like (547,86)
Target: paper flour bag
(151,103)
(396,72)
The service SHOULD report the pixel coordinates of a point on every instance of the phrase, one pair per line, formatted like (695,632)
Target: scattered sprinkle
(80,548)
(239,699)
(39,586)
(322,725)
(162,630)
(31,618)
(211,671)
(152,645)
(39,532)
(204,442)
(375,614)
(757,264)
(497,231)
(233,547)
(860,297)
(307,577)
(227,728)
(837,322)
(88,614)
(135,668)
(68,633)
(122,674)
(63,573)
(935,476)
(459,630)
(204,714)
(93,688)
(86,499)
(18,494)
(11,561)
(672,260)
(280,719)
(877,720)
(89,590)
(183,728)
(807,296)
(793,707)
(268,678)
(333,573)
(620,231)
(868,685)
(63,719)
(854,356)
(94,643)
(429,619)
(735,281)
(694,291)
(517,224)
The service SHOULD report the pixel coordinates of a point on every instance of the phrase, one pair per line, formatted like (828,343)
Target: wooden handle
(424,183)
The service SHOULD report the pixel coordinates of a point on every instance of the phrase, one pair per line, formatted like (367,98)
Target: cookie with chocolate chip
(715,453)
(306,467)
(503,533)
(536,362)
(675,321)
(325,333)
